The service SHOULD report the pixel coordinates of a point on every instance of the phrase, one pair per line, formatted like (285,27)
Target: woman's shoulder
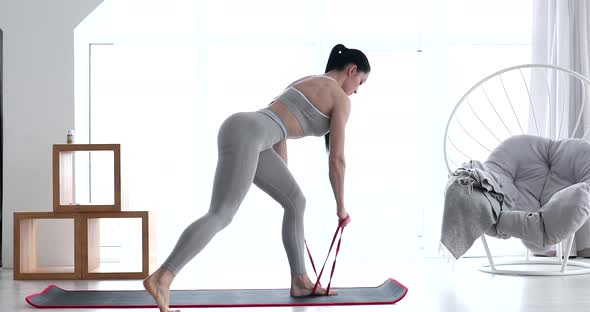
(314,79)
(300,80)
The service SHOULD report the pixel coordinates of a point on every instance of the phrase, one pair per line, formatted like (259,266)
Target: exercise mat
(389,292)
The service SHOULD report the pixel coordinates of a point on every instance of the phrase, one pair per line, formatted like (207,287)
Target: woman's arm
(281,149)
(337,163)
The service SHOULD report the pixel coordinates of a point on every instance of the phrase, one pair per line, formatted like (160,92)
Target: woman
(252,148)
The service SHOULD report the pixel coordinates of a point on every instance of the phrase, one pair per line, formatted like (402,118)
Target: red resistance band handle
(317,283)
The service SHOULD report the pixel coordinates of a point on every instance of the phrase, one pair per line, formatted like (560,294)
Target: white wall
(38,103)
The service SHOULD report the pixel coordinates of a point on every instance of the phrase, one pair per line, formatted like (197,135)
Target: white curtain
(561,38)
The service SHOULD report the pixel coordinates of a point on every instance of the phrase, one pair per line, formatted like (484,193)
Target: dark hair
(340,57)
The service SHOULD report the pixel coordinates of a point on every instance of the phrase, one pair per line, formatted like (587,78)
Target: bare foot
(158,286)
(302,286)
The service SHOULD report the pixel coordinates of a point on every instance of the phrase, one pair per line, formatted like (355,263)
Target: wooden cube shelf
(63,178)
(25,247)
(90,256)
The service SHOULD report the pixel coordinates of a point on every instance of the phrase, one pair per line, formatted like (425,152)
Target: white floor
(433,284)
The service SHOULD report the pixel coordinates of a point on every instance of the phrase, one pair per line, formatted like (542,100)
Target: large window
(176,69)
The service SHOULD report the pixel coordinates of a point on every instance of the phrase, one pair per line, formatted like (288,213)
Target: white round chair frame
(561,260)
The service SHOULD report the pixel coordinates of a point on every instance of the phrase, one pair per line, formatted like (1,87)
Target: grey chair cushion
(547,178)
(565,212)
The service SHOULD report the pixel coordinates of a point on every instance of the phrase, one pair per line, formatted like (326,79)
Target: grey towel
(473,201)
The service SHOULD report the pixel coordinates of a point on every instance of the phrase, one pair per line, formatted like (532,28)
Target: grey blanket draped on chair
(473,202)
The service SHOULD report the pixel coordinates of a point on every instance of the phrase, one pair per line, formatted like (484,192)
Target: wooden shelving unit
(86,229)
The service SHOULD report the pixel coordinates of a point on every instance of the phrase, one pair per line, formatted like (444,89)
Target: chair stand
(561,263)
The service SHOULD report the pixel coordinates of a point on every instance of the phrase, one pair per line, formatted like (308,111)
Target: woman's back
(306,105)
(322,91)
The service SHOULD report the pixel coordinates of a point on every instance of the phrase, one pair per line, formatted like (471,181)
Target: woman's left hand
(343,219)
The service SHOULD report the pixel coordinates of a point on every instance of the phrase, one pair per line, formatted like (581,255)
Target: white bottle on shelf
(70,137)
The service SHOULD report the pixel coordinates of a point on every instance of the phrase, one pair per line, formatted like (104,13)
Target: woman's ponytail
(336,53)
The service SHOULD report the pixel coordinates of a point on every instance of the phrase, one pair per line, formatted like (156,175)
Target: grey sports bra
(312,121)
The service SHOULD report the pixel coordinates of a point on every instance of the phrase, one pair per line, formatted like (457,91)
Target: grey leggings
(245,155)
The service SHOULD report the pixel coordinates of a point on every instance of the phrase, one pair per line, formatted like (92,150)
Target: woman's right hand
(343,217)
